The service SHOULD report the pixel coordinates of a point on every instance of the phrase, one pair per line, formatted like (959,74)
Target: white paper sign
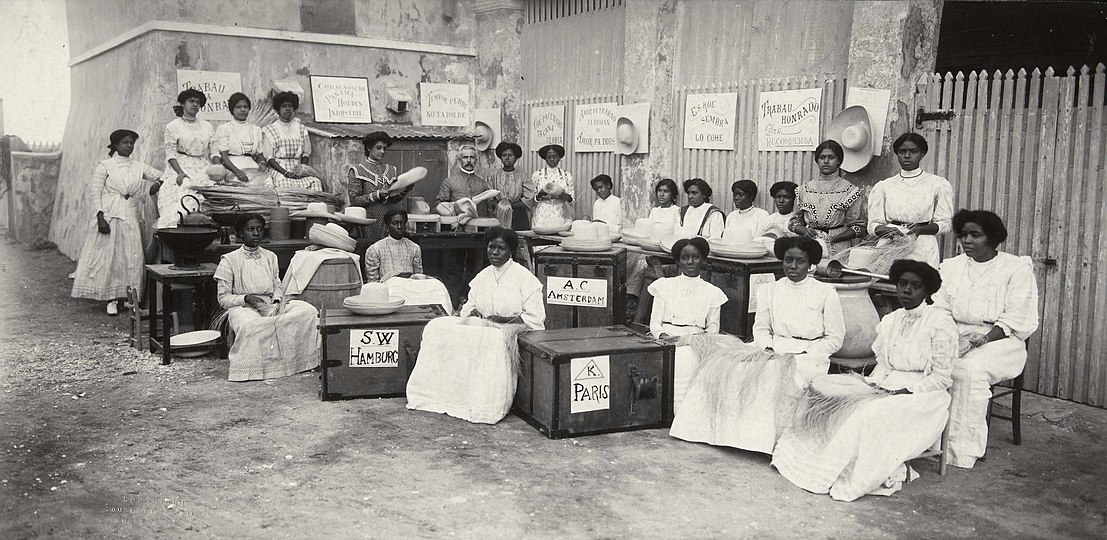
(875,101)
(342,100)
(547,126)
(594,127)
(789,120)
(591,384)
(374,348)
(216,85)
(709,121)
(587,292)
(445,105)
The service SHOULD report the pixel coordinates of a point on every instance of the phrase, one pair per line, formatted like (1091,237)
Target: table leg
(166,312)
(744,324)
(152,309)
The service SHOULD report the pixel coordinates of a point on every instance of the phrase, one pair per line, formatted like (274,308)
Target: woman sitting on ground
(239,145)
(468,365)
(685,305)
(286,145)
(853,436)
(265,340)
(700,217)
(993,298)
(397,262)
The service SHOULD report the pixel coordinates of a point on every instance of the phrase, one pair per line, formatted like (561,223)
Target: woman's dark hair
(705,188)
(988,222)
(393,213)
(745,186)
(790,187)
(930,277)
(370,140)
(833,146)
(807,245)
(117,136)
(669,183)
(602,178)
(286,97)
(696,242)
(243,219)
(185,95)
(235,98)
(912,137)
(507,235)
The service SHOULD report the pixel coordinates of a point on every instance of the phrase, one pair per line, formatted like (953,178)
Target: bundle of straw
(220,199)
(885,251)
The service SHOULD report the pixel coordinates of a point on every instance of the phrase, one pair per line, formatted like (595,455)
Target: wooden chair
(138,318)
(1015,391)
(941,453)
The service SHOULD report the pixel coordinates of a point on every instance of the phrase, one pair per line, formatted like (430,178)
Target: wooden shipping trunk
(385,346)
(588,381)
(608,267)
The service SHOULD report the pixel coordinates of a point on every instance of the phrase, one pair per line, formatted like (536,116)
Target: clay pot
(860,317)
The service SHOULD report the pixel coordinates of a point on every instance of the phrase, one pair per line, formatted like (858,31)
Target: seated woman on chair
(993,298)
(265,341)
(397,262)
(467,364)
(853,436)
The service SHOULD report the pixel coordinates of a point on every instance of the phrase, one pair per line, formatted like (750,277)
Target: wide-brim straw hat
(418,206)
(853,130)
(555,147)
(483,135)
(332,235)
(316,210)
(407,179)
(356,215)
(626,136)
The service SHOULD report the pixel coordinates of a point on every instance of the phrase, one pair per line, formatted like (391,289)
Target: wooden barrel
(335,280)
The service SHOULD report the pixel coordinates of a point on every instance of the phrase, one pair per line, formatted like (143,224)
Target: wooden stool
(1015,391)
(138,318)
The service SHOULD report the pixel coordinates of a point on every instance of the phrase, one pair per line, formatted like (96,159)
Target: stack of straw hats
(373,300)
(722,247)
(332,235)
(588,236)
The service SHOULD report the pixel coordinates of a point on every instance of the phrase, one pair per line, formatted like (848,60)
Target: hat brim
(853,160)
(358,221)
(483,144)
(315,214)
(407,179)
(626,149)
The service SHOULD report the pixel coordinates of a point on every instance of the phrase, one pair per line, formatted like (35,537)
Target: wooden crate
(605,269)
(587,381)
(389,347)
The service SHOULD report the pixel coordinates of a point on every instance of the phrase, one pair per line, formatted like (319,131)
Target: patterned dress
(288,143)
(362,183)
(830,205)
(551,213)
(516,198)
(190,143)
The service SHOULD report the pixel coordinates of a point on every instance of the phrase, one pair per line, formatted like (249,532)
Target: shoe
(113,308)
(72,275)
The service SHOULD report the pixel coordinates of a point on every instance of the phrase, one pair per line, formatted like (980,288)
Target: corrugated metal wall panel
(574,55)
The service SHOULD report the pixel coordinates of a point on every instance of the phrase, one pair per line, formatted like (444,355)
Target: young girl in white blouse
(238,144)
(188,154)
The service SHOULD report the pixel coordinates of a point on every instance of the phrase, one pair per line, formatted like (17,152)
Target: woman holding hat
(368,183)
(829,208)
(555,189)
(700,217)
(188,152)
(914,202)
(286,144)
(515,186)
(112,257)
(239,145)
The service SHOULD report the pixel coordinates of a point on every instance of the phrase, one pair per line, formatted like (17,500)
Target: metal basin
(187,244)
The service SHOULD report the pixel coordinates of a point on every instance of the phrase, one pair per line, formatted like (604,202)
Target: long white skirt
(110,262)
(169,195)
(271,347)
(464,370)
(868,452)
(973,377)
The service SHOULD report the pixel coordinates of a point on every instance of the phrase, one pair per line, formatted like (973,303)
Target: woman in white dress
(553,202)
(266,342)
(685,305)
(744,223)
(914,202)
(776,225)
(188,154)
(468,365)
(286,145)
(666,212)
(853,436)
(993,297)
(238,144)
(112,257)
(700,217)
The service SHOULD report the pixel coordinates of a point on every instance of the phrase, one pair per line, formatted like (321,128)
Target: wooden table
(534,240)
(168,276)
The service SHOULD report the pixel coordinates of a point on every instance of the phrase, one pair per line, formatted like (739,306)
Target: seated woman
(798,314)
(468,365)
(397,262)
(286,145)
(775,225)
(744,223)
(685,305)
(700,217)
(853,436)
(238,143)
(993,298)
(266,341)
(665,212)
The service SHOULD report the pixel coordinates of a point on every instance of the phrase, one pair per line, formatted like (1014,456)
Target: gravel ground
(98,440)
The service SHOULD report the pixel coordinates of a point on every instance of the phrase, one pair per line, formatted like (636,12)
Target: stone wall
(34,179)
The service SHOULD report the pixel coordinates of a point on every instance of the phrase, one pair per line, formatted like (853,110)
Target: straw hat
(332,235)
(418,206)
(588,236)
(852,129)
(316,210)
(356,215)
(373,300)
(483,135)
(631,129)
(407,179)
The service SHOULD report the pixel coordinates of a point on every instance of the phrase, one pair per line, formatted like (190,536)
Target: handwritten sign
(374,348)
(591,384)
(216,85)
(875,101)
(709,120)
(445,105)
(594,130)
(789,120)
(586,292)
(547,126)
(341,100)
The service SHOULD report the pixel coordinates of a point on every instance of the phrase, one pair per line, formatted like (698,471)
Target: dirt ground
(99,440)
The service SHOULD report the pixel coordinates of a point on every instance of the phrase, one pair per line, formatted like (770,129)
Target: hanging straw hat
(631,132)
(407,179)
(852,129)
(483,135)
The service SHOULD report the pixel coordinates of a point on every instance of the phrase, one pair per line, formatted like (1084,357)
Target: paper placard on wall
(709,121)
(547,126)
(789,120)
(216,85)
(632,128)
(584,292)
(591,384)
(374,348)
(341,100)
(445,105)
(594,128)
(490,118)
(875,102)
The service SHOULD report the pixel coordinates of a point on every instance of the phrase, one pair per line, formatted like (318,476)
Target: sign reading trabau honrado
(585,292)
(216,85)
